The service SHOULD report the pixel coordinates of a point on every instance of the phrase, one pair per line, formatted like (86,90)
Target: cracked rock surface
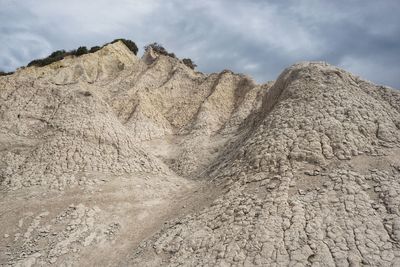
(112,160)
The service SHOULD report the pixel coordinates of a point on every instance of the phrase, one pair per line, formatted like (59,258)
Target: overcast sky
(257,37)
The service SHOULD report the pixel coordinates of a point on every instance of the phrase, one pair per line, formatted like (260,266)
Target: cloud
(257,37)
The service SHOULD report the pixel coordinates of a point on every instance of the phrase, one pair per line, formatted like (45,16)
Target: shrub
(53,57)
(159,49)
(130,44)
(58,53)
(57,56)
(94,49)
(188,62)
(43,62)
(81,51)
(4,73)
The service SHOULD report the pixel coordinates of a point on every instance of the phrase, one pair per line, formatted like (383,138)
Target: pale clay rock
(303,171)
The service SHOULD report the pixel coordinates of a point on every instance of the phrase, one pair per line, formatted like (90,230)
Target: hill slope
(168,166)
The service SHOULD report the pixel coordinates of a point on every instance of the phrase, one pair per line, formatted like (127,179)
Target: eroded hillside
(111,159)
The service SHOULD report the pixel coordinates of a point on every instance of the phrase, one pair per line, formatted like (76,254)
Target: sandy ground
(94,225)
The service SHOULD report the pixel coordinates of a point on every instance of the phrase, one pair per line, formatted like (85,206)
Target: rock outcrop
(221,171)
(314,182)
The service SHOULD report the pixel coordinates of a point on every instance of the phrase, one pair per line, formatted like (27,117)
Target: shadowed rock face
(194,169)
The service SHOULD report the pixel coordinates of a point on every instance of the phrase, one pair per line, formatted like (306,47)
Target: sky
(256,37)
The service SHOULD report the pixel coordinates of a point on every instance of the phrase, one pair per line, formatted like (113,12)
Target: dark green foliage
(130,44)
(188,62)
(44,61)
(94,49)
(54,57)
(81,51)
(159,49)
(58,54)
(3,73)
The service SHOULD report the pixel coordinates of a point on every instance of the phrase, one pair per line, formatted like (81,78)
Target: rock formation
(109,159)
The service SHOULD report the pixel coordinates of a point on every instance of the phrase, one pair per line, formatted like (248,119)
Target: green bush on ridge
(4,73)
(94,49)
(82,50)
(159,49)
(188,62)
(130,44)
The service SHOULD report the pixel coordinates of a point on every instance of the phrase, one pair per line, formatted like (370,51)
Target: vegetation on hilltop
(82,50)
(4,73)
(188,62)
(159,49)
(130,44)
